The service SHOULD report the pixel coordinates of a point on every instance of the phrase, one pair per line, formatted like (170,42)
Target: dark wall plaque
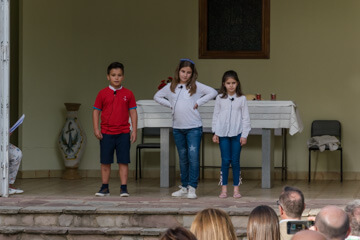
(234,29)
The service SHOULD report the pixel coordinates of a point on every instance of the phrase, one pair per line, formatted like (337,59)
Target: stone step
(110,219)
(105,217)
(59,233)
(25,222)
(25,232)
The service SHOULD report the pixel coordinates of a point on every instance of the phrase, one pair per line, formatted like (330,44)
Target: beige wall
(66,46)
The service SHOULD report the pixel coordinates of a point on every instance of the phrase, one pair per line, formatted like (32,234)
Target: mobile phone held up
(296,226)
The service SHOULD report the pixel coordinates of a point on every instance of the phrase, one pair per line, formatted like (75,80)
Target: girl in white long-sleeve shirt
(183,95)
(231,127)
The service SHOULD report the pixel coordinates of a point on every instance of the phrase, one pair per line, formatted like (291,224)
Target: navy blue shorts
(118,142)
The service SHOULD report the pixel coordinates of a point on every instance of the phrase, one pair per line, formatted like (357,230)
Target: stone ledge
(158,211)
(80,210)
(41,210)
(116,210)
(86,210)
(83,211)
(124,231)
(242,211)
(128,231)
(9,210)
(45,230)
(33,230)
(190,211)
(152,231)
(87,231)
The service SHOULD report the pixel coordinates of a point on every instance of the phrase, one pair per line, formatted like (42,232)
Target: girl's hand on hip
(196,106)
(215,139)
(243,141)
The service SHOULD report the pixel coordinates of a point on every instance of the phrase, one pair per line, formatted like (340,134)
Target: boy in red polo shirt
(115,103)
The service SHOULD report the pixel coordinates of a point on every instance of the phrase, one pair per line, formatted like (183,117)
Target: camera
(296,226)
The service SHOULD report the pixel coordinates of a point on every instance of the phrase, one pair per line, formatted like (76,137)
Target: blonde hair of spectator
(263,224)
(214,224)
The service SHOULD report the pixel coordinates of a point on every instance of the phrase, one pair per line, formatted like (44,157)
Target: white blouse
(231,117)
(182,104)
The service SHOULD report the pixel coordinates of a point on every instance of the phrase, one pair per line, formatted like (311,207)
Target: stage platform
(57,207)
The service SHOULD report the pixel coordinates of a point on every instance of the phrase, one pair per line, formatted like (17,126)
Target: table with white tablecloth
(267,115)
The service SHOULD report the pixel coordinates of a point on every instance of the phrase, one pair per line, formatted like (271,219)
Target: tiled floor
(317,193)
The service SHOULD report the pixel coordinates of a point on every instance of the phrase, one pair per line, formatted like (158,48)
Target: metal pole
(4,92)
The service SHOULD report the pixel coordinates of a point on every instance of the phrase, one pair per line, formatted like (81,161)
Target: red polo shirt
(114,107)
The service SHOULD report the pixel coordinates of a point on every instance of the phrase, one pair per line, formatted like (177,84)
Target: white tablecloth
(263,114)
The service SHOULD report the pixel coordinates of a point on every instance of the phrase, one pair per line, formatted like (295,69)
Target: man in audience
(333,222)
(353,211)
(291,206)
(308,235)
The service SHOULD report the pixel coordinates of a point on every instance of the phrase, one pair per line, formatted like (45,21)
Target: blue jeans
(230,154)
(188,145)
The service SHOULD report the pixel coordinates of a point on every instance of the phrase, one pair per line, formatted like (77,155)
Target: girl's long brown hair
(230,74)
(263,224)
(191,83)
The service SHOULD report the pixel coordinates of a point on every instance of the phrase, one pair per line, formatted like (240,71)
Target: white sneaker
(180,193)
(192,192)
(14,191)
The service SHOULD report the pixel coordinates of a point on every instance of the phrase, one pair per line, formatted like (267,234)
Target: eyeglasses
(278,203)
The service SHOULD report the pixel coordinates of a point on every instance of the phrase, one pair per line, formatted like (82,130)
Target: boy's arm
(97,132)
(133,117)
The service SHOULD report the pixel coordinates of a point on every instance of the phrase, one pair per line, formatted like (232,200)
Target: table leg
(167,158)
(284,156)
(202,156)
(267,157)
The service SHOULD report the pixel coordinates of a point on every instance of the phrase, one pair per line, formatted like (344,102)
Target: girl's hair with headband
(191,83)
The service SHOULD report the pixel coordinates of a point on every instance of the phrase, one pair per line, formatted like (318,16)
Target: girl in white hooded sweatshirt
(184,95)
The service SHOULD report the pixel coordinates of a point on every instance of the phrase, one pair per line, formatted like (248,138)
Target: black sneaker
(124,193)
(103,193)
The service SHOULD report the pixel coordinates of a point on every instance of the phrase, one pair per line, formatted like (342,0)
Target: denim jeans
(188,145)
(230,154)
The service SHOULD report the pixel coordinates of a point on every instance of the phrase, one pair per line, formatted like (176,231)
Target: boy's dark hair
(293,206)
(115,65)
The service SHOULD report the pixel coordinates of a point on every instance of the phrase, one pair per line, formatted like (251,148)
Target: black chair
(146,132)
(326,127)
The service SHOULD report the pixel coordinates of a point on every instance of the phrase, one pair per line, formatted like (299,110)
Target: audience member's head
(353,211)
(291,203)
(214,224)
(263,224)
(333,222)
(308,235)
(178,233)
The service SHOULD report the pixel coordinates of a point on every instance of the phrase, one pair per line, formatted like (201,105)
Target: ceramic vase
(72,141)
